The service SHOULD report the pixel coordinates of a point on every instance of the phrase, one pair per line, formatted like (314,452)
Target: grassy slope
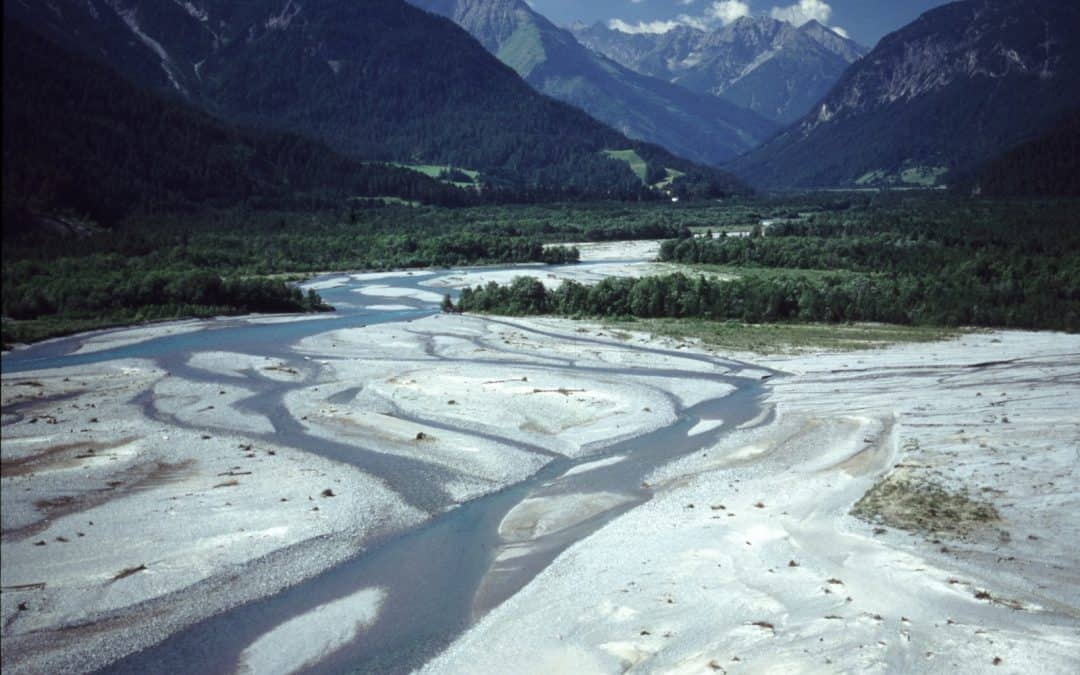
(524,51)
(434,170)
(640,167)
(634,160)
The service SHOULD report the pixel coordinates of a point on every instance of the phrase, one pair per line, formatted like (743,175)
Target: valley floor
(141,496)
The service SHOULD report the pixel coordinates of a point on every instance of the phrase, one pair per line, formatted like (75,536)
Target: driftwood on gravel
(561,390)
(128,571)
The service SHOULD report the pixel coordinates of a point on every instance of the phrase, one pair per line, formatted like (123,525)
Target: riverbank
(748,559)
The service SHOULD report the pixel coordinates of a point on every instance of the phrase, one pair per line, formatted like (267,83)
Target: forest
(227,262)
(79,137)
(898,258)
(937,262)
(88,275)
(406,86)
(1048,166)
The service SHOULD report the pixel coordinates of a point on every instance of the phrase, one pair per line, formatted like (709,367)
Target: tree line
(142,273)
(938,263)
(757,299)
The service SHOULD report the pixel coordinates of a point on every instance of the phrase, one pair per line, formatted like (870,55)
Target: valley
(381,484)
(539,336)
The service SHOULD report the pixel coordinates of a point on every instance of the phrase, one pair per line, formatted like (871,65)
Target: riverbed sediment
(749,559)
(216,477)
(541,494)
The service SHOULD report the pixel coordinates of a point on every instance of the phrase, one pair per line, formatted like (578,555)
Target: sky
(866,21)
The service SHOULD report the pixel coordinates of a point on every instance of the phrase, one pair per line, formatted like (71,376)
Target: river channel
(441,576)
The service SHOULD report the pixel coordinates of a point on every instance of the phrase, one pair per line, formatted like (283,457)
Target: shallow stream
(442,575)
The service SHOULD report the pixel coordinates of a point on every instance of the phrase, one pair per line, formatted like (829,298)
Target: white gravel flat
(746,559)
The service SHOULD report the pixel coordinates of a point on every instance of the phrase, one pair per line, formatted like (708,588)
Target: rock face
(769,66)
(689,123)
(954,88)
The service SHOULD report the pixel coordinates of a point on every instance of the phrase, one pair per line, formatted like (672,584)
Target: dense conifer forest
(70,274)
(1048,166)
(79,137)
(292,119)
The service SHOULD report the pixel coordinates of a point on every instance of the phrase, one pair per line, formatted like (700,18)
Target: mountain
(374,79)
(956,87)
(768,66)
(690,124)
(1048,166)
(80,138)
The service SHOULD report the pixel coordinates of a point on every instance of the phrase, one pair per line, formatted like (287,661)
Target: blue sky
(864,20)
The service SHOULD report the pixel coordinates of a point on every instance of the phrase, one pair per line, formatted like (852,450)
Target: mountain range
(373,80)
(769,66)
(691,124)
(932,101)
(207,101)
(79,138)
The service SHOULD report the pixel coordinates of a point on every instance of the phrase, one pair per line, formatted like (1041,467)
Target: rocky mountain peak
(835,42)
(979,39)
(554,61)
(492,22)
(956,87)
(767,65)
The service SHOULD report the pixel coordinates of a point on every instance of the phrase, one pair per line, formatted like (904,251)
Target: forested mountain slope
(1048,166)
(377,79)
(79,137)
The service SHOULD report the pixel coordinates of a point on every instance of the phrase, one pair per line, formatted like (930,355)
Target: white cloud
(840,31)
(724,12)
(728,11)
(643,26)
(803,11)
(699,22)
(720,11)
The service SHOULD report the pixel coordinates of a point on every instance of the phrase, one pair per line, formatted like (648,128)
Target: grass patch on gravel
(778,338)
(33,330)
(733,271)
(919,505)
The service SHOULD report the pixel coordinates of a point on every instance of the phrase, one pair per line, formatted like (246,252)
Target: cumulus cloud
(803,11)
(724,12)
(717,12)
(642,26)
(728,11)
